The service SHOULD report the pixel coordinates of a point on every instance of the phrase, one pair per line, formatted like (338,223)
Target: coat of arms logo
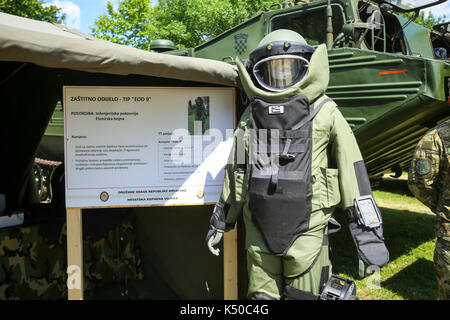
(240,43)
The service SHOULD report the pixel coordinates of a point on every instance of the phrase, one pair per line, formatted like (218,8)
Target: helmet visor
(277,73)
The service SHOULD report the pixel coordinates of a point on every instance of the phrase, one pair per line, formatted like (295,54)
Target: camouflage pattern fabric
(113,259)
(442,259)
(31,268)
(429,181)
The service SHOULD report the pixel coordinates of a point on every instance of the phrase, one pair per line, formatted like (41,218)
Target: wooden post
(230,266)
(74,254)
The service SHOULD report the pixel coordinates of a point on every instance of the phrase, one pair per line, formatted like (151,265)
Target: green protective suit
(334,152)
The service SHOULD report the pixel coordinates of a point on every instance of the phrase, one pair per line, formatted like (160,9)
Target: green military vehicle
(388,75)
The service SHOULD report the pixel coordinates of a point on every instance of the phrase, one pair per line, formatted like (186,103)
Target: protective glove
(217,226)
(213,238)
(369,242)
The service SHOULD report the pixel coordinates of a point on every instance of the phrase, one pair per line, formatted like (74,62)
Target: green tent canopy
(36,60)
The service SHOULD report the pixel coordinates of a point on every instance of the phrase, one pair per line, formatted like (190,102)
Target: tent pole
(230,267)
(74,254)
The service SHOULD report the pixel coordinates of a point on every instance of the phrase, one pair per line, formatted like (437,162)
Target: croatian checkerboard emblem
(240,43)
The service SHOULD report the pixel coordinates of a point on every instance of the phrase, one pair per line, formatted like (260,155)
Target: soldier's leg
(442,259)
(265,276)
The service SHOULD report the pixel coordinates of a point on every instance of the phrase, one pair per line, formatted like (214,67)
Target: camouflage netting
(33,265)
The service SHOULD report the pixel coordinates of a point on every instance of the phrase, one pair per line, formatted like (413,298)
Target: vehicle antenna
(329,26)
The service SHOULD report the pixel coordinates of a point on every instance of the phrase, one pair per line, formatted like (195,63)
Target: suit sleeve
(231,201)
(353,177)
(424,169)
(353,183)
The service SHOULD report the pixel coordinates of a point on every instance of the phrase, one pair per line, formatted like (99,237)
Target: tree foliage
(187,23)
(191,22)
(131,23)
(428,20)
(33,9)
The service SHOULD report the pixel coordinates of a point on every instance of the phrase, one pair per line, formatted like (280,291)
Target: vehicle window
(310,23)
(440,38)
(388,26)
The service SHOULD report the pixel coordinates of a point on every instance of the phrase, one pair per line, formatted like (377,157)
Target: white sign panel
(142,146)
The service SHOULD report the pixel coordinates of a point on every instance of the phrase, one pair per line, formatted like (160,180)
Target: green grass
(409,236)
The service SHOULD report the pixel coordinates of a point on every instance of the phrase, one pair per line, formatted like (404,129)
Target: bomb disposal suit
(294,159)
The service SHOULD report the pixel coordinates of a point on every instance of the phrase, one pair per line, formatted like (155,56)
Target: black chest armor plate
(280,186)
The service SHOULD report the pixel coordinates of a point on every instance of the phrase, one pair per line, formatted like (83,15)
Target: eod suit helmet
(280,61)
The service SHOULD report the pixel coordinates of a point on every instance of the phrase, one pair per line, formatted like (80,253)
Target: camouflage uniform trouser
(442,258)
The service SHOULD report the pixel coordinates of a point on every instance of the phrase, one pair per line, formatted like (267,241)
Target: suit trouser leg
(269,279)
(312,280)
(266,279)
